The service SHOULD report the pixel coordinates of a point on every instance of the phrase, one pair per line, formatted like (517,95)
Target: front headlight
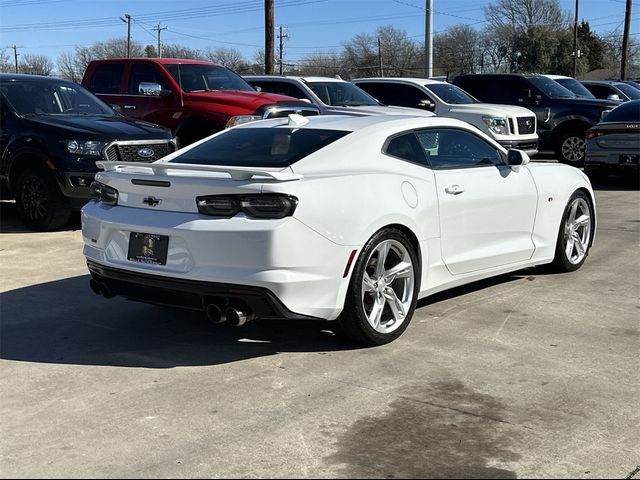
(240,119)
(90,148)
(497,125)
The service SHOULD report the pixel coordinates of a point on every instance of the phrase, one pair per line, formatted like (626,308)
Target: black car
(613,146)
(563,118)
(612,90)
(52,132)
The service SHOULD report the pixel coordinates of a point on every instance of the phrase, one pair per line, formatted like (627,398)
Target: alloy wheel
(387,286)
(573,149)
(35,198)
(577,231)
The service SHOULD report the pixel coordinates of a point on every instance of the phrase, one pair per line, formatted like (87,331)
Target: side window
(106,78)
(395,94)
(449,148)
(406,147)
(296,92)
(144,72)
(600,91)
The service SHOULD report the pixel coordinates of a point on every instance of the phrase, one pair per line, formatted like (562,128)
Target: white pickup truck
(509,125)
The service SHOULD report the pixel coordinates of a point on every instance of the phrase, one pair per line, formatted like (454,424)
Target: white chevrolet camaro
(351,219)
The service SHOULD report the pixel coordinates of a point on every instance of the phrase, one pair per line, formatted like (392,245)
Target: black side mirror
(516,159)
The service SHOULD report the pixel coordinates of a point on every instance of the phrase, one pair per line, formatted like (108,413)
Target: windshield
(629,91)
(342,94)
(206,78)
(576,87)
(32,97)
(551,88)
(451,94)
(260,147)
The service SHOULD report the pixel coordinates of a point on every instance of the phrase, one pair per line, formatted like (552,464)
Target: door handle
(454,189)
(129,107)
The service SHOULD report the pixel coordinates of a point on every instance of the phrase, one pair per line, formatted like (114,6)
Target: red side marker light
(349,262)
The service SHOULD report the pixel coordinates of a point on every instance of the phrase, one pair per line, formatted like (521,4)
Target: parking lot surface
(528,374)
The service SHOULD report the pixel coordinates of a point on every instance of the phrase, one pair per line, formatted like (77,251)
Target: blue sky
(51,27)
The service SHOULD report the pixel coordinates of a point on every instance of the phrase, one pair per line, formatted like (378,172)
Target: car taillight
(103,193)
(266,205)
(591,133)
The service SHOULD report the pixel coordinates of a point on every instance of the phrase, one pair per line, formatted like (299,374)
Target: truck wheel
(39,200)
(571,148)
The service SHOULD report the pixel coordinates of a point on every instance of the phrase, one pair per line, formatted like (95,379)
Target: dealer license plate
(148,248)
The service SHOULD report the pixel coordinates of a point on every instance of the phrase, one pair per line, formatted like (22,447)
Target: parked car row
(54,131)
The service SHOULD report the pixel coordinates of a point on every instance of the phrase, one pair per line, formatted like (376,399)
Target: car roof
(352,124)
(555,77)
(162,61)
(415,80)
(9,77)
(293,77)
(602,82)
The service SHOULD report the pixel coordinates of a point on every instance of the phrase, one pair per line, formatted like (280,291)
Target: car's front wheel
(575,234)
(383,290)
(39,200)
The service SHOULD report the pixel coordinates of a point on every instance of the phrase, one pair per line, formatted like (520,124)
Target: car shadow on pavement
(10,221)
(64,322)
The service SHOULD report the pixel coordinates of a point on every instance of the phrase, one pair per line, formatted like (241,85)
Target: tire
(366,294)
(571,148)
(39,200)
(574,234)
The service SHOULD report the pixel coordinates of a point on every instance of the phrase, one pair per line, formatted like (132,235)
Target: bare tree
(229,57)
(522,13)
(180,51)
(36,64)
(322,64)
(457,50)
(67,67)
(6,65)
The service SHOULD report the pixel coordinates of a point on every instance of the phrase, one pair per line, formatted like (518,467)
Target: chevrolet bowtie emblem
(152,201)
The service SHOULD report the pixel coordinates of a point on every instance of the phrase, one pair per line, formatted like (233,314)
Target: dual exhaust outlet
(233,316)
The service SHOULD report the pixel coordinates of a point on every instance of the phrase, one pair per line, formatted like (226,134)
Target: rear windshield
(260,147)
(627,112)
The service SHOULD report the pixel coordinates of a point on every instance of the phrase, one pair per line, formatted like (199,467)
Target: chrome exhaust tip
(214,314)
(237,318)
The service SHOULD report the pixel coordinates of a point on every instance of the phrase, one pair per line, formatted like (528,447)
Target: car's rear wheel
(571,148)
(39,200)
(383,290)
(575,234)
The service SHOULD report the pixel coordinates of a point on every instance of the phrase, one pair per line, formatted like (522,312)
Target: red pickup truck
(191,97)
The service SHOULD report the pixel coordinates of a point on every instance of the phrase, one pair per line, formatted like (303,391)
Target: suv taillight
(265,206)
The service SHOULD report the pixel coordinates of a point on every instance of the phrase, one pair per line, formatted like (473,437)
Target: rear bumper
(190,294)
(614,162)
(301,269)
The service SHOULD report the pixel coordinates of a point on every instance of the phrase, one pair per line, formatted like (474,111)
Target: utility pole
(625,41)
(281,36)
(127,19)
(158,29)
(380,58)
(268,37)
(575,42)
(16,55)
(428,39)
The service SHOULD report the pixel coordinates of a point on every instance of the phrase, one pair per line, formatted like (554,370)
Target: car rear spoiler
(236,173)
